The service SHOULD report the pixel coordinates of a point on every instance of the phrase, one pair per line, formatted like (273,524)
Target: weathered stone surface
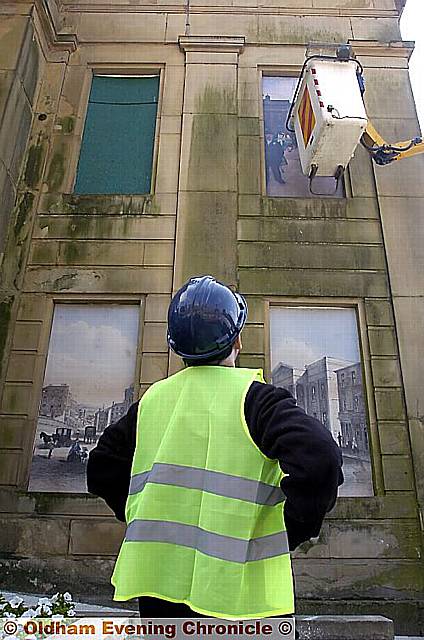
(12,432)
(389,94)
(167,168)
(404,238)
(16,398)
(332,231)
(318,256)
(156,308)
(15,129)
(389,404)
(393,438)
(103,27)
(7,198)
(361,174)
(253,339)
(256,309)
(380,29)
(26,336)
(296,282)
(379,312)
(386,372)
(35,536)
(21,367)
(397,472)
(374,507)
(249,171)
(301,29)
(154,337)
(251,361)
(308,208)
(12,31)
(153,367)
(94,537)
(104,227)
(101,280)
(211,89)
(395,539)
(9,468)
(382,341)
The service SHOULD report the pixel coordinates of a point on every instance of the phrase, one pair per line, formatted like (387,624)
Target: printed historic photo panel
(315,355)
(88,384)
(284,176)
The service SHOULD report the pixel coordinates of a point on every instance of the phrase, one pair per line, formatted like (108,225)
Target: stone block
(127,27)
(402,219)
(48,100)
(374,539)
(35,536)
(173,90)
(256,309)
(170,124)
(103,227)
(64,149)
(249,127)
(249,205)
(6,83)
(249,164)
(72,93)
(32,307)
(309,256)
(94,537)
(251,361)
(158,253)
(374,507)
(14,131)
(301,29)
(168,163)
(249,108)
(209,153)
(222,24)
(198,242)
(416,430)
(393,438)
(389,404)
(26,336)
(331,231)
(386,372)
(397,473)
(362,208)
(361,174)
(331,208)
(253,339)
(44,252)
(9,469)
(380,29)
(296,282)
(382,341)
(154,367)
(154,337)
(388,94)
(156,309)
(7,199)
(210,88)
(21,367)
(90,253)
(30,64)
(17,399)
(345,627)
(409,313)
(12,432)
(135,280)
(12,31)
(379,312)
(68,504)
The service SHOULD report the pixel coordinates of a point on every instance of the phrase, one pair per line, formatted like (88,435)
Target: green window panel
(117,146)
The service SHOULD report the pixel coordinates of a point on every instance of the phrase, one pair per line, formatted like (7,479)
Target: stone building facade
(208,212)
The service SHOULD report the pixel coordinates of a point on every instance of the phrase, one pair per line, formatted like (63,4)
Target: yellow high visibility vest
(205,523)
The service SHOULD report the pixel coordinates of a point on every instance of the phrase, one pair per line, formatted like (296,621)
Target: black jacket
(304,448)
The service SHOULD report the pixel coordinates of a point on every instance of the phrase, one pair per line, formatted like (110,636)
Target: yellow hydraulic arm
(384,153)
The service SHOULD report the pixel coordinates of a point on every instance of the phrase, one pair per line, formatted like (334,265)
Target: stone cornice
(374,48)
(210,44)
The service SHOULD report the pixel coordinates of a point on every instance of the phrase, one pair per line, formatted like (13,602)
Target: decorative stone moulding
(211,44)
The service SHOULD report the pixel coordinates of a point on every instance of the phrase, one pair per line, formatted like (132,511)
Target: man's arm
(109,463)
(306,451)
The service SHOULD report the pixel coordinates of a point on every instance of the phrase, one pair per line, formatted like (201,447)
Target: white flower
(15,601)
(55,597)
(47,610)
(71,612)
(37,611)
(44,601)
(30,613)
(7,614)
(67,596)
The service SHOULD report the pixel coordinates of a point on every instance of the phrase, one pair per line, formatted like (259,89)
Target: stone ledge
(345,627)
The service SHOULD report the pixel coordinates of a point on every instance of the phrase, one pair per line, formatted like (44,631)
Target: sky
(412,27)
(301,335)
(93,350)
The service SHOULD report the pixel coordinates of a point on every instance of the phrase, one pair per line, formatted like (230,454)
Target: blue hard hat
(204,318)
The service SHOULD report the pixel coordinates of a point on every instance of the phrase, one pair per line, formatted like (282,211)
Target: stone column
(208,183)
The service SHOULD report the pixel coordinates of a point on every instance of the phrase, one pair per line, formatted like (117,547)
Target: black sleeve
(306,452)
(109,463)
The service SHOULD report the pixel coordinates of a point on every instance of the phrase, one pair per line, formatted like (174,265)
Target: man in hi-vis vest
(217,475)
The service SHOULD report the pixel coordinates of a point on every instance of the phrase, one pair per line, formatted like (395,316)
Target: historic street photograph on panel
(88,385)
(315,355)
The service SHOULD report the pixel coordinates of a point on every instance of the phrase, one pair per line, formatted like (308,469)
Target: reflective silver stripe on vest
(221,484)
(211,544)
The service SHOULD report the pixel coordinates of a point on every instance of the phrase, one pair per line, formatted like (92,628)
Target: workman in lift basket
(217,475)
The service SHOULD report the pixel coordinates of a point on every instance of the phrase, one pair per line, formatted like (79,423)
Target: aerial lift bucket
(328,114)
